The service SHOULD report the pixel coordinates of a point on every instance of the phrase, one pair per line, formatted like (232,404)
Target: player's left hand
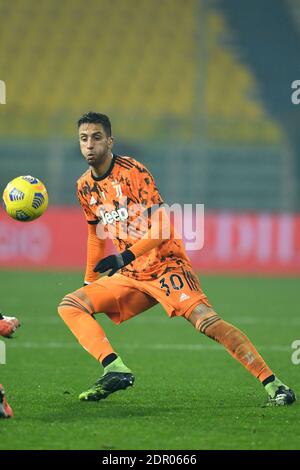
(114,262)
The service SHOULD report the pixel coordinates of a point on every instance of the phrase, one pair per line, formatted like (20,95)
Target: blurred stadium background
(199,91)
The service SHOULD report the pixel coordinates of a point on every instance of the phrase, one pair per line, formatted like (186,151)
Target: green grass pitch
(188,394)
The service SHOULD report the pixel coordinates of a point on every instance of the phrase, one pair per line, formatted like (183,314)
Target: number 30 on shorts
(175,281)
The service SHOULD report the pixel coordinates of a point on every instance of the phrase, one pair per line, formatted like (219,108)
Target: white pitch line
(53,321)
(154,346)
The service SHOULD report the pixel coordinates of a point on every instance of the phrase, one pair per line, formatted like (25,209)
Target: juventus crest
(118,189)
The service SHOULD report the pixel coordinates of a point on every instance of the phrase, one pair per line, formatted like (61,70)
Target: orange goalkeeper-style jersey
(120,204)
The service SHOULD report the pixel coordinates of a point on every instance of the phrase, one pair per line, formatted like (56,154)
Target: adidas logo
(93,201)
(183,297)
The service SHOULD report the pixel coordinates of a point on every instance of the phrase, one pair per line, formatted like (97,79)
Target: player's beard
(99,159)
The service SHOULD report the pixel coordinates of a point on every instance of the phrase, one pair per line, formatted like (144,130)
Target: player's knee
(62,306)
(74,303)
(202,317)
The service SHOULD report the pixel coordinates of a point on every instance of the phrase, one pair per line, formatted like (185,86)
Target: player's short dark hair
(96,118)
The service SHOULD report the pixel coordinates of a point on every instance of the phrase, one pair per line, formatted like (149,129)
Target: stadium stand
(234,108)
(131,60)
(134,61)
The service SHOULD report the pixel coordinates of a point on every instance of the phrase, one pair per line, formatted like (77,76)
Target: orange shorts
(122,298)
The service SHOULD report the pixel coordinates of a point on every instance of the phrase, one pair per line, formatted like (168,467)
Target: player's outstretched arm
(156,235)
(95,251)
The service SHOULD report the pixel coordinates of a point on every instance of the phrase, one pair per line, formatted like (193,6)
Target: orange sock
(236,343)
(77,315)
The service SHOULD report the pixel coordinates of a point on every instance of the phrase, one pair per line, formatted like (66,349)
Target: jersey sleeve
(95,252)
(144,189)
(89,216)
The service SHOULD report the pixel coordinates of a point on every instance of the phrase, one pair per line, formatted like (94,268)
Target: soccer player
(117,192)
(7,326)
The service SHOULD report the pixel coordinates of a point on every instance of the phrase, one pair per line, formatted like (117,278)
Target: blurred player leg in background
(8,326)
(5,409)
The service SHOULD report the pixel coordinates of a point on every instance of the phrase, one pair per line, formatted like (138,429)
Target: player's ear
(111,140)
